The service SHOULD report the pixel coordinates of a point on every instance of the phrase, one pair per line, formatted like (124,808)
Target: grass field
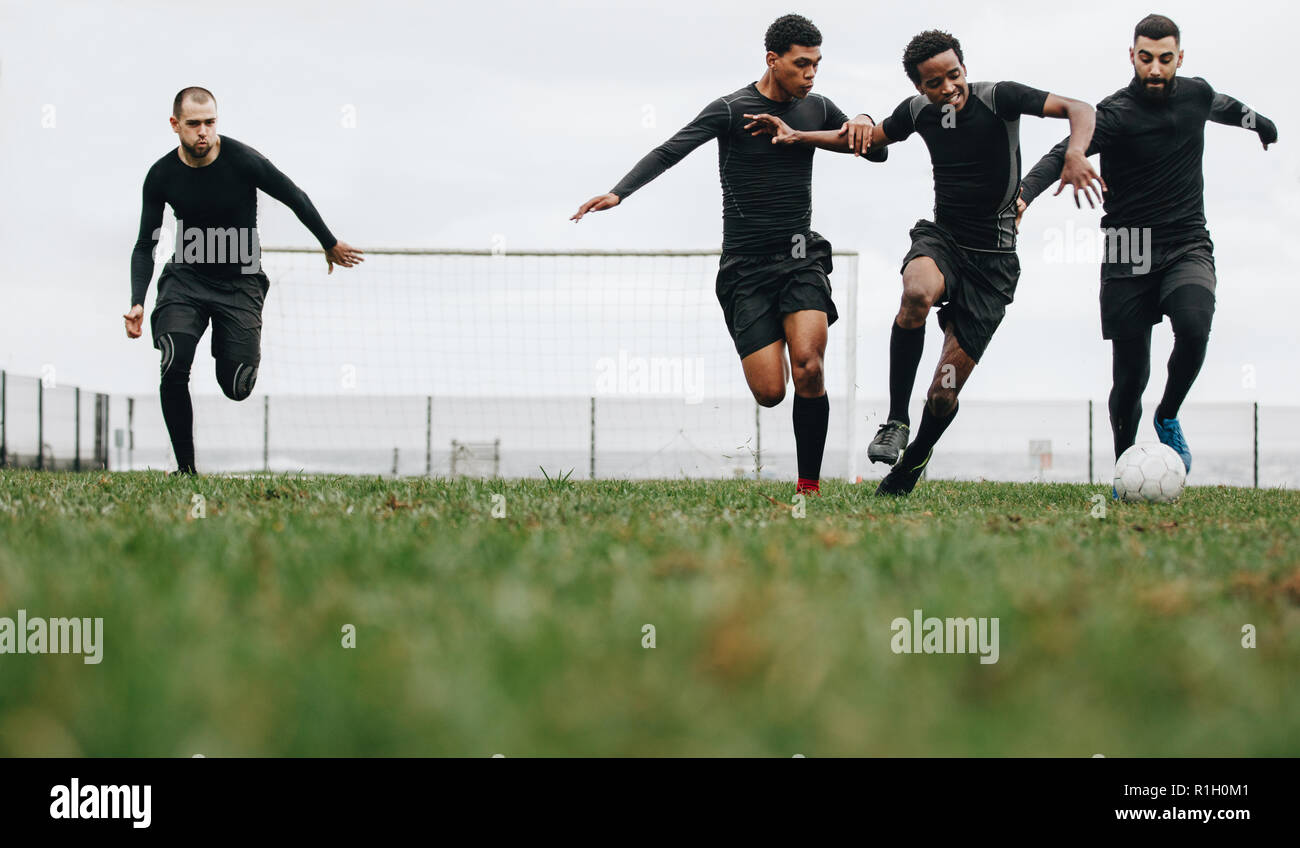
(522,635)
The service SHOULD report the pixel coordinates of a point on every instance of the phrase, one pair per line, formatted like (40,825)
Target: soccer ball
(1150,471)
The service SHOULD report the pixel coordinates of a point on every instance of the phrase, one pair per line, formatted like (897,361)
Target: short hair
(789,30)
(1156,27)
(925,46)
(198,95)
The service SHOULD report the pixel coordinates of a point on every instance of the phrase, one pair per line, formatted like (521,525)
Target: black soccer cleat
(889,443)
(901,481)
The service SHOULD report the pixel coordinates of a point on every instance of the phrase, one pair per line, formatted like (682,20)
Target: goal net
(607,364)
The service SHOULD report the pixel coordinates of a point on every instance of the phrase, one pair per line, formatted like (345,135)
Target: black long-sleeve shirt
(975,154)
(1151,154)
(214,204)
(766,187)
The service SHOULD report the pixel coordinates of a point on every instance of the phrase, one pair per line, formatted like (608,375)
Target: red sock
(806,485)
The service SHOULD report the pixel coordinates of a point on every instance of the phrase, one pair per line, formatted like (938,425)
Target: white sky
(501,117)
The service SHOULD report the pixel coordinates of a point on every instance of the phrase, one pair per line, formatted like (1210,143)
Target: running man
(211,183)
(965,259)
(1159,259)
(774,275)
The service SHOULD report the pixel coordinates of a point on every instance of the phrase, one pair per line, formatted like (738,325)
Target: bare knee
(922,285)
(768,396)
(807,373)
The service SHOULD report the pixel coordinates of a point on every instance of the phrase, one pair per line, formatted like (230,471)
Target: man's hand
(134,319)
(858,134)
(772,125)
(343,255)
(596,204)
(1078,172)
(1021,206)
(1266,129)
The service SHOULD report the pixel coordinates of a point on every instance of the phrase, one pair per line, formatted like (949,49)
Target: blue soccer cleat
(1170,433)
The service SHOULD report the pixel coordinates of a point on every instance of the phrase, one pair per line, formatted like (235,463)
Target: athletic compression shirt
(1151,158)
(216,211)
(766,187)
(976,157)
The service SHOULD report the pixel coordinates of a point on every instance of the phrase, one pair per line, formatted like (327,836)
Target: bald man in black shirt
(1159,259)
(215,275)
(774,275)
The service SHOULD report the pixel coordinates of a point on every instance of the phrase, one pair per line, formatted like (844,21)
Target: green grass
(522,635)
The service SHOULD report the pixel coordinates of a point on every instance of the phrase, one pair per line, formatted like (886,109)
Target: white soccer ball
(1151,472)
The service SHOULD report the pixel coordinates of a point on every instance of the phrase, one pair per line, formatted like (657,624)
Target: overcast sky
(493,117)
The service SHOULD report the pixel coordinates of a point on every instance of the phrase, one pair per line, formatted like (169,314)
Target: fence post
(101,430)
(76,459)
(1091,477)
(40,425)
(130,434)
(591,473)
(4,445)
(428,436)
(758,442)
(851,368)
(1256,444)
(266,434)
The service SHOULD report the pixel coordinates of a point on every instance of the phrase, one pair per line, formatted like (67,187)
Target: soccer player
(211,183)
(1159,259)
(773,278)
(965,259)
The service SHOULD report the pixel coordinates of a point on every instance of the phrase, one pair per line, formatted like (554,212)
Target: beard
(1158,93)
(195,153)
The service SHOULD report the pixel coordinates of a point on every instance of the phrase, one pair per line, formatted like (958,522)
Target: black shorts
(1131,305)
(977,285)
(187,300)
(757,291)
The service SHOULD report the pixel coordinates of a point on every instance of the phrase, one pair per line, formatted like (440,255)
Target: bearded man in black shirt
(1158,257)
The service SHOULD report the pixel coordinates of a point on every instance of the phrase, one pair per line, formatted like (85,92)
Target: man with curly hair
(774,276)
(965,259)
(1159,259)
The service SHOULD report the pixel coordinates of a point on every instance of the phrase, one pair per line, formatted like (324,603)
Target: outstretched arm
(151,215)
(860,136)
(1049,168)
(1076,170)
(1232,112)
(273,181)
(712,122)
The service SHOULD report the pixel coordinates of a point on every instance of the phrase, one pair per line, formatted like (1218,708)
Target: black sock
(811,418)
(905,348)
(1130,367)
(927,436)
(174,391)
(1191,337)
